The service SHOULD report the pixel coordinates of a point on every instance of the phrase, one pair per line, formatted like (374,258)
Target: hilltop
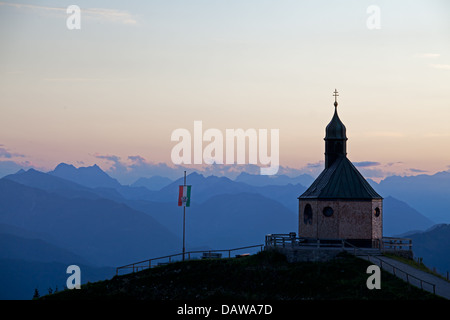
(264,276)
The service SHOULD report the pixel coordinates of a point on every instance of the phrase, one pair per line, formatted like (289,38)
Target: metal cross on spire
(335,94)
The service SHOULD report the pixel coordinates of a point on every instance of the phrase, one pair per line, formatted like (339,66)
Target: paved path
(442,286)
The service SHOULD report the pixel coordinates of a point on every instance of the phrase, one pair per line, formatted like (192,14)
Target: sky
(112,92)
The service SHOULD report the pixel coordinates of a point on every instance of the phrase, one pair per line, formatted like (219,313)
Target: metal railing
(384,244)
(395,270)
(378,246)
(284,240)
(153,262)
(408,276)
(390,243)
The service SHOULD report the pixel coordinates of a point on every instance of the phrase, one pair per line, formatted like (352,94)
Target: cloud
(417,170)
(137,159)
(101,14)
(5,154)
(12,166)
(313,169)
(111,15)
(372,173)
(440,66)
(30,6)
(9,167)
(314,165)
(366,164)
(433,56)
(112,158)
(390,164)
(11,162)
(134,167)
(116,165)
(128,169)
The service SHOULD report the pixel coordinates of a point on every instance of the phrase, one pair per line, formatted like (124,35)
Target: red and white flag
(184,196)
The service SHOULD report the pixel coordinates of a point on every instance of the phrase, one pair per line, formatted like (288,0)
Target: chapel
(340,203)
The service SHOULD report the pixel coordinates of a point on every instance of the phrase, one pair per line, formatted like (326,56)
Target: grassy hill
(264,276)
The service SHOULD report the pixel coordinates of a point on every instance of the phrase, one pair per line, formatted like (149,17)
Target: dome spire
(335,137)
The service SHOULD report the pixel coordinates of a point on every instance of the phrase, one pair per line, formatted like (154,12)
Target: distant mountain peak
(63,165)
(437,226)
(72,168)
(31,171)
(92,176)
(95,168)
(152,183)
(442,174)
(278,179)
(195,174)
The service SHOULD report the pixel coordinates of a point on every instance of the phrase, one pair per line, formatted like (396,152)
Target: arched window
(328,211)
(377,212)
(307,214)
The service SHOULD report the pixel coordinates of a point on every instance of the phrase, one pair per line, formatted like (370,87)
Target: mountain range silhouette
(84,216)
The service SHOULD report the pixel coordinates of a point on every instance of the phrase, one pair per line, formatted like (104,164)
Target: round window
(377,212)
(328,211)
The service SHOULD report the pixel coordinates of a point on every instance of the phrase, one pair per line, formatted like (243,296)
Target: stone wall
(377,222)
(350,219)
(297,254)
(355,220)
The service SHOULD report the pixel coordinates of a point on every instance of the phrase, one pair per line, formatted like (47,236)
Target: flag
(184,196)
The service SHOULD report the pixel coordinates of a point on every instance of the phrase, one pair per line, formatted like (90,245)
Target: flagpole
(184,218)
